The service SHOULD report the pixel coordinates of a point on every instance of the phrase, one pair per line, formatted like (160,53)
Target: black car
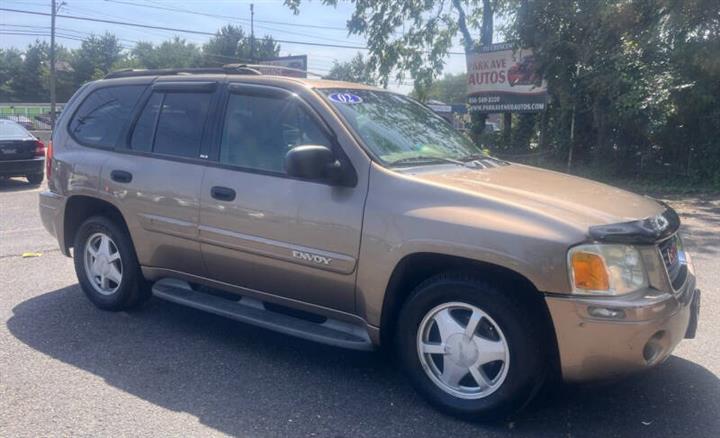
(21,154)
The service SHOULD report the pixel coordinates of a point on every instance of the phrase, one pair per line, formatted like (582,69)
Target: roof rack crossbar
(249,69)
(230,69)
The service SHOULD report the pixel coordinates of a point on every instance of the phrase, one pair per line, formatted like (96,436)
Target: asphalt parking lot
(68,369)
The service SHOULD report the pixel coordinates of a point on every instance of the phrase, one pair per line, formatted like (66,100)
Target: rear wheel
(106,266)
(35,178)
(471,348)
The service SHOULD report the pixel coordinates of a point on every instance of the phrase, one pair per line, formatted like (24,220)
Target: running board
(252,311)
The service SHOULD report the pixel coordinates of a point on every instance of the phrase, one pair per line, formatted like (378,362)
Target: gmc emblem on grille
(320,260)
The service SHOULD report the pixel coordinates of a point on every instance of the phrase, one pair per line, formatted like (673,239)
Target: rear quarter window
(103,115)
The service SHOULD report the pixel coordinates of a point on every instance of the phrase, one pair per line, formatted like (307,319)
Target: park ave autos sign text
(503,79)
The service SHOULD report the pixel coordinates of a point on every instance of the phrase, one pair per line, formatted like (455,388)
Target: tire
(35,178)
(114,293)
(509,340)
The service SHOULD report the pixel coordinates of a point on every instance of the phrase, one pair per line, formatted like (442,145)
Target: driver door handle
(121,176)
(220,193)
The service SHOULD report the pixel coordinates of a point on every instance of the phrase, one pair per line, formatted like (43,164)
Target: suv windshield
(399,130)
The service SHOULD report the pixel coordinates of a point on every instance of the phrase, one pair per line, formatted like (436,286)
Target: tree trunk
(507,129)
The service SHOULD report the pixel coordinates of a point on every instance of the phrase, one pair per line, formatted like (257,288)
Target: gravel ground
(68,369)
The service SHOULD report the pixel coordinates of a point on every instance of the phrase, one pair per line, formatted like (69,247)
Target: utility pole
(52,64)
(252,32)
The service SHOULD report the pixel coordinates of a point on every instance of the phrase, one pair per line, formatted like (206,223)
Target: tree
(355,70)
(95,58)
(410,36)
(11,64)
(174,53)
(231,45)
(451,88)
(30,84)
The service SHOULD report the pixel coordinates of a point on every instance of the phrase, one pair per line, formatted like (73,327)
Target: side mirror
(312,162)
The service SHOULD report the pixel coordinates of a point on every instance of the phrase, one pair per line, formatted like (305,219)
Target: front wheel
(471,348)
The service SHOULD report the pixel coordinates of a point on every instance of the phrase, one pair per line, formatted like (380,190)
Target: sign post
(502,79)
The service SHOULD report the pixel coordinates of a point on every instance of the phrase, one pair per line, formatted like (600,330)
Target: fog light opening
(654,349)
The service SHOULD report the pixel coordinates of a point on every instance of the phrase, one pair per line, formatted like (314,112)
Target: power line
(78,33)
(174,29)
(196,32)
(206,14)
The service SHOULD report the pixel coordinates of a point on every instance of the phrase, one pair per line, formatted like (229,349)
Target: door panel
(162,210)
(282,236)
(288,237)
(157,179)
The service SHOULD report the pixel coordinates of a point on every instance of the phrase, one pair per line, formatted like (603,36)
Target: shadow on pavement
(15,185)
(239,379)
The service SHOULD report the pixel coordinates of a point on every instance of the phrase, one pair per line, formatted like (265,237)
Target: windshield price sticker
(345,98)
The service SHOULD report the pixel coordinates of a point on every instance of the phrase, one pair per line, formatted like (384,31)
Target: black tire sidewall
(527,362)
(127,292)
(35,178)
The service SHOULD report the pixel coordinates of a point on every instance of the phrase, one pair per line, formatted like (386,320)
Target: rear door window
(104,114)
(142,137)
(172,124)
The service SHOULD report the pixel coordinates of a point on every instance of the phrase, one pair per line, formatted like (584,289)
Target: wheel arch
(415,268)
(79,208)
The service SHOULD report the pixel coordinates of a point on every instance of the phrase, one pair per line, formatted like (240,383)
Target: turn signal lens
(589,272)
(606,269)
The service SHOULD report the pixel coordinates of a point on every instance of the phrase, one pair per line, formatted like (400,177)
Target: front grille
(674,258)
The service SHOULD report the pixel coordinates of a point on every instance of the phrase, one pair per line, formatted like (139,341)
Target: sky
(315,23)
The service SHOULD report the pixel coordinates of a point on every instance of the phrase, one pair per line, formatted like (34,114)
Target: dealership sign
(501,78)
(295,66)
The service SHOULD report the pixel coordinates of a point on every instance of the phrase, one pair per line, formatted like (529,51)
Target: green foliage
(30,83)
(231,45)
(24,75)
(642,78)
(171,53)
(355,70)
(404,36)
(11,63)
(451,88)
(96,57)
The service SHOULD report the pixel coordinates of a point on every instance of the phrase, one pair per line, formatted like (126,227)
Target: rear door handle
(121,176)
(223,193)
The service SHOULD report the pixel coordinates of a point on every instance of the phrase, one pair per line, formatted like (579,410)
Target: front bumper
(22,167)
(601,338)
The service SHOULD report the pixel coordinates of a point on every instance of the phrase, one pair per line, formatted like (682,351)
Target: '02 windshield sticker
(345,98)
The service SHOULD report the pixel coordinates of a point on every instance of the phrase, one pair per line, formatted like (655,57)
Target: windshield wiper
(426,159)
(473,157)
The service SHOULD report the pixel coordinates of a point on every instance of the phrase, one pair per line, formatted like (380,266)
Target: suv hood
(569,199)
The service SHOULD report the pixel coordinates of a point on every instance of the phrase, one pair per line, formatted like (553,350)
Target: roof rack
(246,69)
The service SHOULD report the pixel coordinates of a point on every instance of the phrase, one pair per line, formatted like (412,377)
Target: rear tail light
(39,149)
(48,159)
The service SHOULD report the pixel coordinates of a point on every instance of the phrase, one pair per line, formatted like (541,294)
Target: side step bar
(251,311)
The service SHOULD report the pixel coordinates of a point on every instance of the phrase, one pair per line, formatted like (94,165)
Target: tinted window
(142,137)
(260,130)
(104,114)
(180,126)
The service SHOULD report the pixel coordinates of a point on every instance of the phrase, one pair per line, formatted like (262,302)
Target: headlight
(599,269)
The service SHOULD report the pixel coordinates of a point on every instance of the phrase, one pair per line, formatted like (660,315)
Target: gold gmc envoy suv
(356,217)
